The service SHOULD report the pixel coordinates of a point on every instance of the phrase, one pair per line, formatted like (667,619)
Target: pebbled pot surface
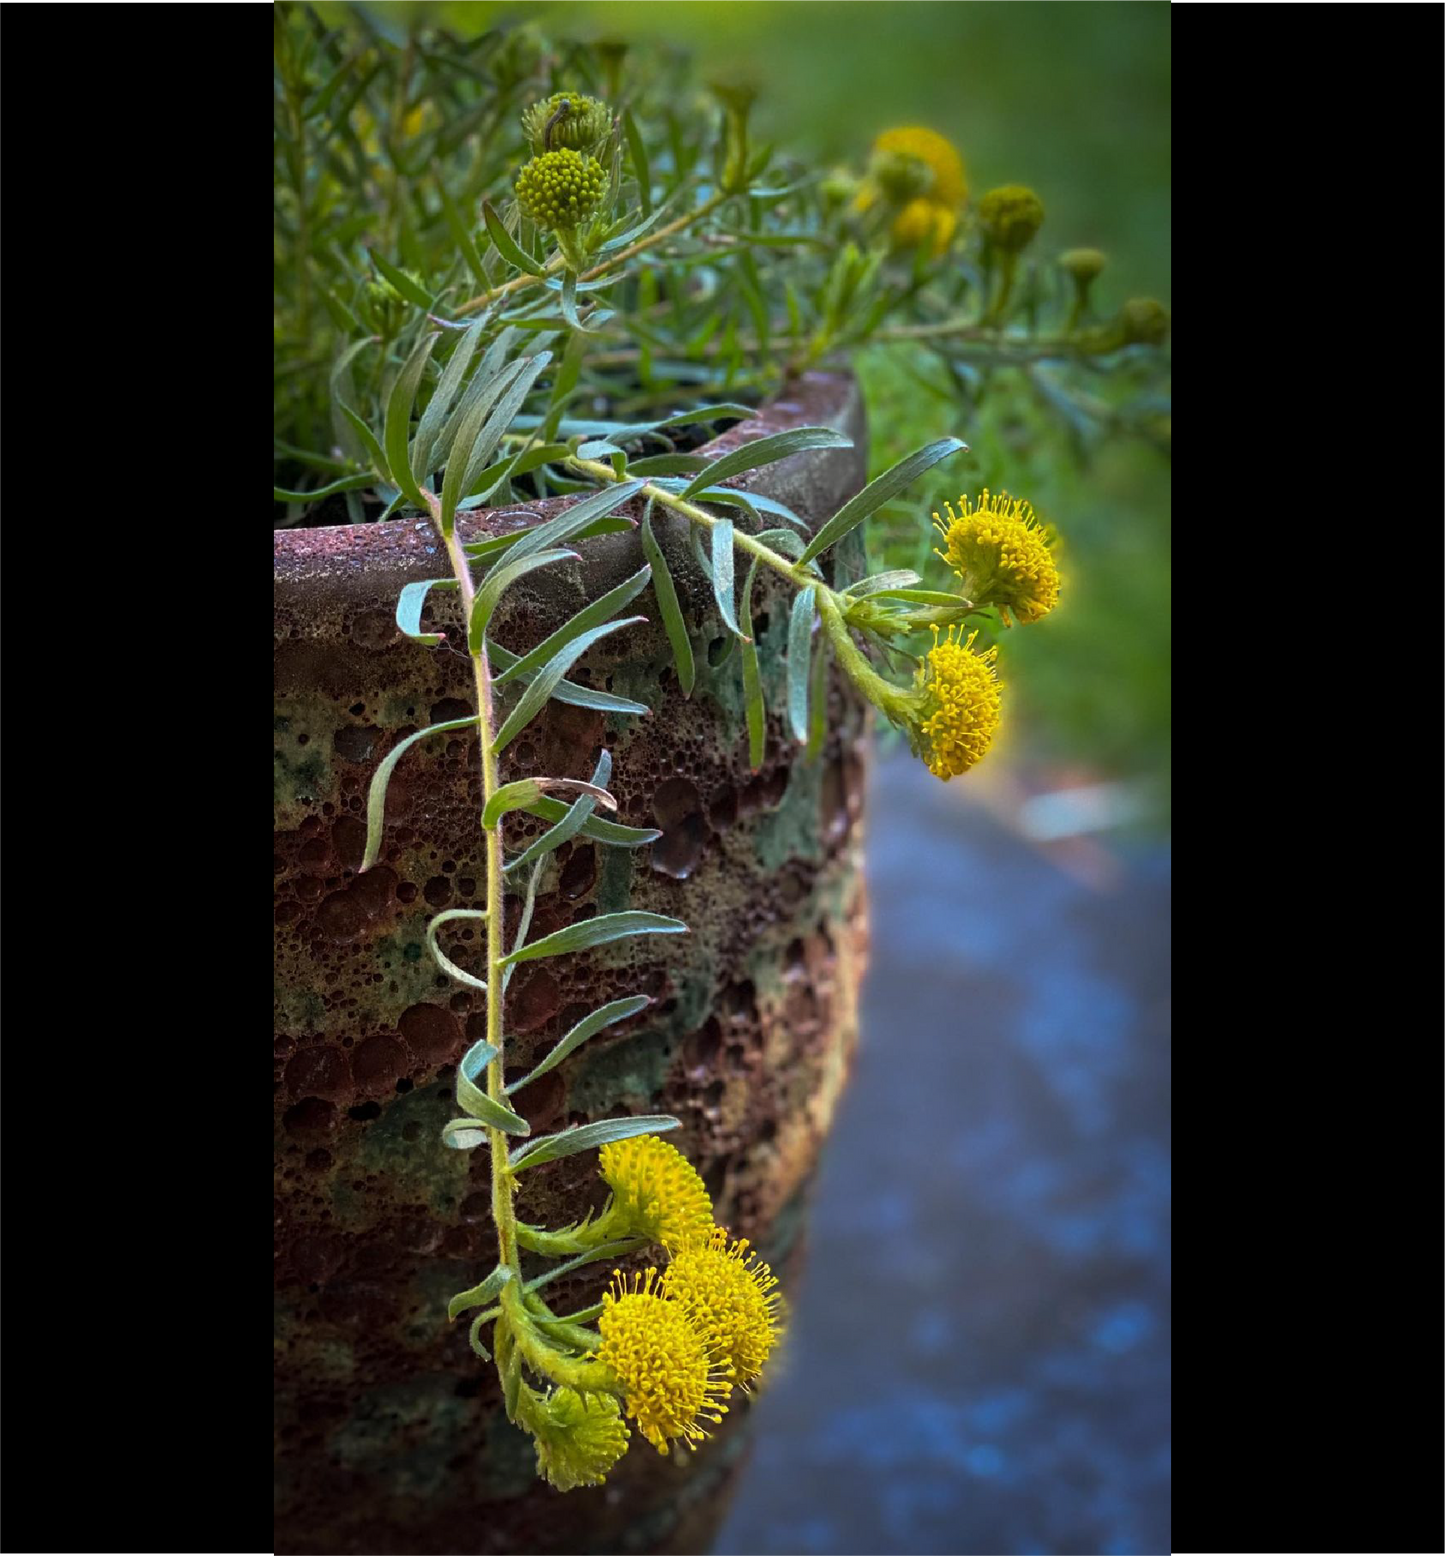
(390,1434)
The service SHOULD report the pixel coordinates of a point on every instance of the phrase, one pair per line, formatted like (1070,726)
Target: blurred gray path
(979,1359)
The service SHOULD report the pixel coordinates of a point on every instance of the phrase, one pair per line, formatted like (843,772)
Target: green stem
(503,1183)
(553,265)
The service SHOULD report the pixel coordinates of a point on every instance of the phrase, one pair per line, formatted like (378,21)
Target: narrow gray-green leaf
(587,1137)
(440,957)
(409,606)
(501,578)
(486,386)
(879,491)
(526,791)
(766,451)
(665,592)
(506,245)
(500,420)
(376,795)
(532,701)
(368,442)
(573,693)
(587,1027)
(460,233)
(348,483)
(471,1099)
(479,1296)
(800,641)
(602,930)
(589,616)
(433,418)
(818,712)
(895,578)
(722,575)
(400,280)
(463,1134)
(753,707)
(639,161)
(601,831)
(573,818)
(572,520)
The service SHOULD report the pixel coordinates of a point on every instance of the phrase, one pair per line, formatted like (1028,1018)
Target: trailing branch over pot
(626,254)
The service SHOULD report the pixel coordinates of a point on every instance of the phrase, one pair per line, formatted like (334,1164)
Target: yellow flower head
(656,1193)
(937,155)
(578,1439)
(561,188)
(729,1297)
(660,1362)
(922,221)
(956,705)
(1001,554)
(1011,216)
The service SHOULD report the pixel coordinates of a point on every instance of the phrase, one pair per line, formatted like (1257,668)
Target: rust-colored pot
(390,1435)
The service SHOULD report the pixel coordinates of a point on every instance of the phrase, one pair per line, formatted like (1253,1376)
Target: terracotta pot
(390,1434)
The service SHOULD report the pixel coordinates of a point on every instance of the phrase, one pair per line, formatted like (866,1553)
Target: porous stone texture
(390,1435)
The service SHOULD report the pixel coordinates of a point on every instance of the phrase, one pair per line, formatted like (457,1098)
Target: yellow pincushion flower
(660,1361)
(578,1439)
(560,189)
(1001,554)
(729,1297)
(956,706)
(923,221)
(937,154)
(921,172)
(656,1193)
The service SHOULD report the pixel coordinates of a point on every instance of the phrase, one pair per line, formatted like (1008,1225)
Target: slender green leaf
(618,1010)
(879,491)
(433,418)
(463,1134)
(472,1100)
(665,592)
(922,597)
(589,616)
(506,245)
(587,1137)
(532,701)
(409,606)
(895,578)
(722,575)
(525,791)
(640,165)
(765,451)
(800,641)
(369,443)
(572,692)
(601,831)
(349,483)
(753,706)
(818,710)
(501,419)
(439,956)
(376,795)
(461,235)
(571,520)
(484,390)
(400,280)
(499,580)
(602,930)
(573,818)
(479,1296)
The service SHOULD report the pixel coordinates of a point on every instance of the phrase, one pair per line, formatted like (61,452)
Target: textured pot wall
(390,1433)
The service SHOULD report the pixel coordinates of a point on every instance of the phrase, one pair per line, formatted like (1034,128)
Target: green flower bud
(1010,216)
(900,176)
(567,120)
(382,307)
(1144,322)
(1083,264)
(561,189)
(838,188)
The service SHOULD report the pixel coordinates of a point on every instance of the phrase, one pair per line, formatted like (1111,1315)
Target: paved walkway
(980,1352)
